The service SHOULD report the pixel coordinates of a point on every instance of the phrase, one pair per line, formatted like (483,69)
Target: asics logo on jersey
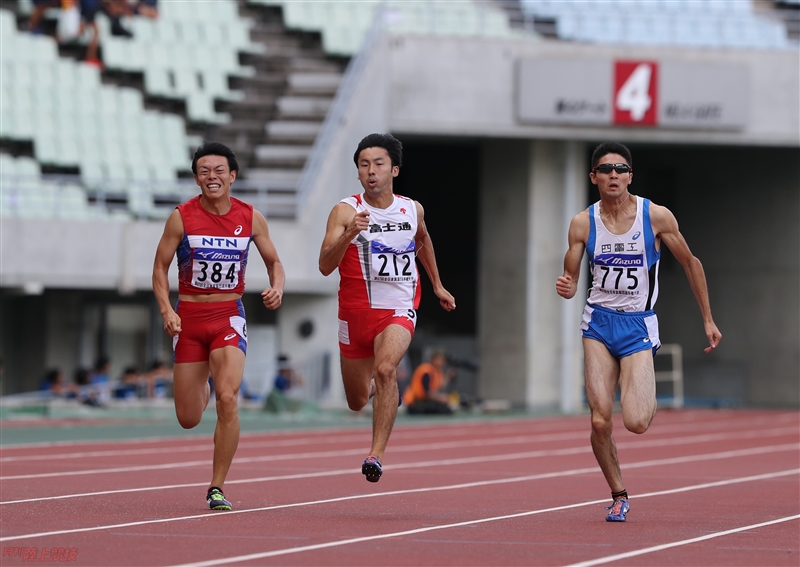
(238,230)
(229,337)
(635,236)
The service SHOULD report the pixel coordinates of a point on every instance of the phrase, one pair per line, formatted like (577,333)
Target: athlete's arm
(272,296)
(578,235)
(167,246)
(665,227)
(343,226)
(428,258)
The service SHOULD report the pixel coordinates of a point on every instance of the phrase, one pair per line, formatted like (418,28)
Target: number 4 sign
(635,92)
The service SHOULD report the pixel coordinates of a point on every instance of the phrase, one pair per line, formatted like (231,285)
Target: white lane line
(339,543)
(556,474)
(441,462)
(619,556)
(703,438)
(399,435)
(410,431)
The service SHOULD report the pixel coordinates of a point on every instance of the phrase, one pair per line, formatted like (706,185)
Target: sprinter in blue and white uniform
(622,235)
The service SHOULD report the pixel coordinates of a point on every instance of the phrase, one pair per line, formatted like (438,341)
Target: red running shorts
(359,327)
(209,326)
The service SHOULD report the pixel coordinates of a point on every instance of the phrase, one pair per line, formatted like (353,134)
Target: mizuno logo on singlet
(622,260)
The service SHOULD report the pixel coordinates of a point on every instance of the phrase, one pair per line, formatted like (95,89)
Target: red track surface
(516,492)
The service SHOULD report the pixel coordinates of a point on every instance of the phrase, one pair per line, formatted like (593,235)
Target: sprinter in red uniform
(211,234)
(374,239)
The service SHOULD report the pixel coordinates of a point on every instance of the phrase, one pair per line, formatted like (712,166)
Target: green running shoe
(216,499)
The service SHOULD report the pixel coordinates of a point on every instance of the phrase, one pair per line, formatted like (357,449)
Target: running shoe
(619,510)
(372,469)
(216,499)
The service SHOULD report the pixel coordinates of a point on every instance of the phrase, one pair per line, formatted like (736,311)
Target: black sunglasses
(607,167)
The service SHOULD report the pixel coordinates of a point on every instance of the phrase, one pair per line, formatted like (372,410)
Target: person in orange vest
(426,393)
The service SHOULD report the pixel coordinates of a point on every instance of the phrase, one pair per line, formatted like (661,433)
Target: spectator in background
(55,383)
(427,392)
(39,8)
(158,379)
(129,382)
(116,10)
(89,10)
(286,379)
(146,8)
(85,391)
(100,379)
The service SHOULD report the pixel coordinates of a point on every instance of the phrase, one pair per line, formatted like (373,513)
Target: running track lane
(489,503)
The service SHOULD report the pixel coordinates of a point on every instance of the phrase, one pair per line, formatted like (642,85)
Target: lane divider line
(424,464)
(663,546)
(639,444)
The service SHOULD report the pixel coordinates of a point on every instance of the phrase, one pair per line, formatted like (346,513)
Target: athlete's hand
(714,336)
(272,298)
(565,287)
(172,323)
(446,300)
(360,222)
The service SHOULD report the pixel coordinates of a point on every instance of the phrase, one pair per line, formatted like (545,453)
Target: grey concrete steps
(293,130)
(282,155)
(314,83)
(303,107)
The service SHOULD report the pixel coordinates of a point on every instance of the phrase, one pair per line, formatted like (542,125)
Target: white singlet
(379,268)
(624,267)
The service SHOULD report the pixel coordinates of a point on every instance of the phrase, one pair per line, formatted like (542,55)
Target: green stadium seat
(8,165)
(91,171)
(157,82)
(72,203)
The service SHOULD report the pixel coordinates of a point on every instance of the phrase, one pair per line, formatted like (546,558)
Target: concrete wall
(529,345)
(466,87)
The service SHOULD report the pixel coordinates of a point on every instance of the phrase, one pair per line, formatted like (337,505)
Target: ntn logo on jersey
(378,248)
(218,242)
(621,260)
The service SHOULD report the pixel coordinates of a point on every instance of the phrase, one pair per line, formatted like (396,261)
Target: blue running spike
(619,510)
(372,469)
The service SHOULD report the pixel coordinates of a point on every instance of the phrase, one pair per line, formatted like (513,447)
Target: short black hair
(81,376)
(392,145)
(51,376)
(611,148)
(215,149)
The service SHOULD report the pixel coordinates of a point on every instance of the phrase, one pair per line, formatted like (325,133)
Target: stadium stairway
(273,127)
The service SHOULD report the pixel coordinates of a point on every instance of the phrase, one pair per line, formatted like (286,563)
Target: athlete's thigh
(637,380)
(189,385)
(601,371)
(227,368)
(391,344)
(356,375)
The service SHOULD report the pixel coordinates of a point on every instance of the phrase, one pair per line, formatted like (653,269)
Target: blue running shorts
(623,333)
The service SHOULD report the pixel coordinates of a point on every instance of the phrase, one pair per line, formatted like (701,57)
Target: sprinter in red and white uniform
(211,234)
(622,234)
(374,238)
